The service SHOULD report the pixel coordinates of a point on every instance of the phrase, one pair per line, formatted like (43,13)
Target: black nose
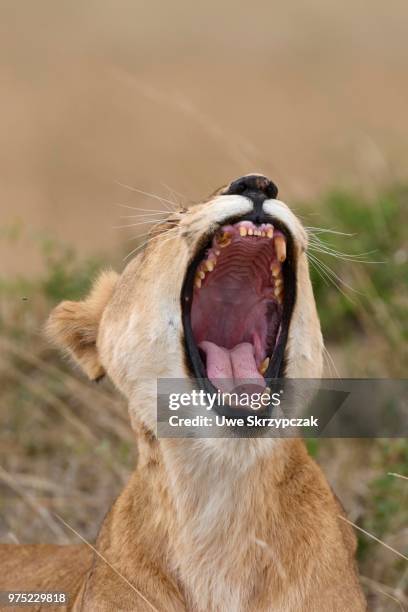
(253,184)
(255,187)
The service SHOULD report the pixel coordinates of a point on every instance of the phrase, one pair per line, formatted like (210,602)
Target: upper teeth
(246,228)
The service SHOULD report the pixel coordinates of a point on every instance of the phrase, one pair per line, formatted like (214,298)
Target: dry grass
(66,445)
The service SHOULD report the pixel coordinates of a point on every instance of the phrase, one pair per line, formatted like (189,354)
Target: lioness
(222,290)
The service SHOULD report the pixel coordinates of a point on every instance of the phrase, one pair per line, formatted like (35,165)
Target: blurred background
(104,100)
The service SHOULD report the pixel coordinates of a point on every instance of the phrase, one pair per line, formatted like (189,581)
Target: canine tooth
(264,366)
(243,231)
(263,234)
(280,247)
(275,269)
(269,233)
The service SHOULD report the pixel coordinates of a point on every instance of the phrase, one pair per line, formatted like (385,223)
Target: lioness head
(221,291)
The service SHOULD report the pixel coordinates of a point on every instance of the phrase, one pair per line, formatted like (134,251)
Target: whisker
(164,211)
(139,236)
(331,276)
(317,264)
(149,233)
(329,366)
(139,248)
(331,360)
(147,242)
(174,191)
(326,248)
(318,244)
(151,214)
(322,230)
(136,250)
(138,223)
(316,240)
(345,257)
(146,193)
(340,280)
(312,263)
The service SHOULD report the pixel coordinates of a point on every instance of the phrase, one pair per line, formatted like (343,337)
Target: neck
(219,503)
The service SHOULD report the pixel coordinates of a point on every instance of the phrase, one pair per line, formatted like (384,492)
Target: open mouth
(237,300)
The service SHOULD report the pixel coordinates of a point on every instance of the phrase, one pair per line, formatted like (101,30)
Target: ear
(73,326)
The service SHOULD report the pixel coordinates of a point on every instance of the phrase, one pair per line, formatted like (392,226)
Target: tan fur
(203,525)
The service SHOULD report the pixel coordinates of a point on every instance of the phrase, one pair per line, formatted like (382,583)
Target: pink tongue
(227,368)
